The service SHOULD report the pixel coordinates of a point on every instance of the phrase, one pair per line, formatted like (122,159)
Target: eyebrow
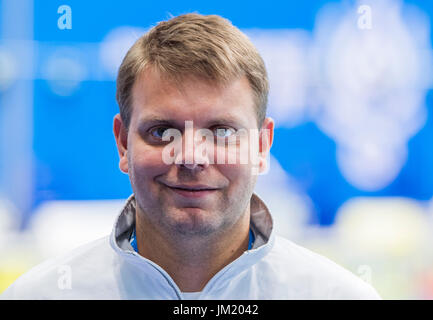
(156,120)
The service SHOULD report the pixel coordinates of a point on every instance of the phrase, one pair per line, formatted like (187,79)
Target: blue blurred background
(351,167)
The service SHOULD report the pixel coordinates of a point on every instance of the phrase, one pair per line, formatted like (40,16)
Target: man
(193,228)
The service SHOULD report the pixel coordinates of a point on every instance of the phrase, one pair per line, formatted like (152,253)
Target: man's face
(159,105)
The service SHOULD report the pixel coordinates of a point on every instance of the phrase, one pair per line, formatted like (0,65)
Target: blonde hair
(208,47)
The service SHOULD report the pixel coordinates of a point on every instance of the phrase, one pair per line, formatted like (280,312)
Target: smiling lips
(192,191)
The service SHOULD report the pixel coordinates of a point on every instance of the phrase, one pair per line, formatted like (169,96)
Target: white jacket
(109,268)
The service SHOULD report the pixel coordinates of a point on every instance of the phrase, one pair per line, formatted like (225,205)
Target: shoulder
(55,277)
(315,275)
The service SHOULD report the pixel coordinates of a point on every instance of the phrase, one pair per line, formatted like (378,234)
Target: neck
(192,261)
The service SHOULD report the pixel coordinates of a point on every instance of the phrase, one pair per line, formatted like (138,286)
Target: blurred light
(8,71)
(371,88)
(386,227)
(370,165)
(115,46)
(64,225)
(64,70)
(425,283)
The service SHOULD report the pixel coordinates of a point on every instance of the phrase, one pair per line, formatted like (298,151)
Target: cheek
(145,164)
(237,174)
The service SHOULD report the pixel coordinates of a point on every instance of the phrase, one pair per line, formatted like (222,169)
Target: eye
(158,132)
(224,132)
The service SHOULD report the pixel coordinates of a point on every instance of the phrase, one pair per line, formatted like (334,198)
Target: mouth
(196,191)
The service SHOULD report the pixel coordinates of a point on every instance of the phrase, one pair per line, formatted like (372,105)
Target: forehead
(154,96)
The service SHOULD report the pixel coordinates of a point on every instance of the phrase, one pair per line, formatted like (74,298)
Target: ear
(121,136)
(266,138)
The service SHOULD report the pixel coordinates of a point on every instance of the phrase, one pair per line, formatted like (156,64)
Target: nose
(195,153)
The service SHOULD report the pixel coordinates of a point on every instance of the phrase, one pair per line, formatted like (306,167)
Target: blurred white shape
(8,69)
(58,226)
(285,53)
(366,159)
(371,88)
(289,206)
(64,70)
(383,227)
(115,46)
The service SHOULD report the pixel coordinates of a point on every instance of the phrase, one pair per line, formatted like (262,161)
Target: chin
(193,221)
